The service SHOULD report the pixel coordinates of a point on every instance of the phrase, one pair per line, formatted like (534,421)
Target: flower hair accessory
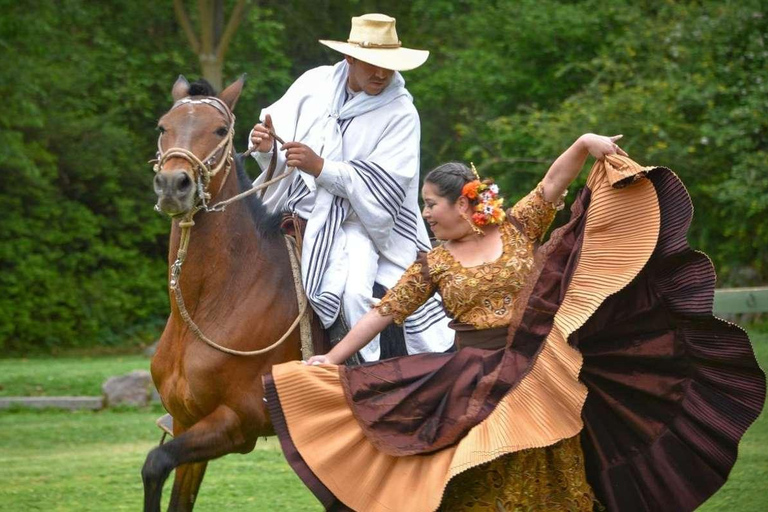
(488,207)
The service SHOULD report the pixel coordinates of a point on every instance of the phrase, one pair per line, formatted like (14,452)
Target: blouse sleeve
(411,291)
(535,214)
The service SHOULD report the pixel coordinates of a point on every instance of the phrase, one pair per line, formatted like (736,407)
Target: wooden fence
(741,304)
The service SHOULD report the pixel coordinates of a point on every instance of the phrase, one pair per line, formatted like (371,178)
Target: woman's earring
(476,229)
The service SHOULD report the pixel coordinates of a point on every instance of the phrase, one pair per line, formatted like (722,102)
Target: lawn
(745,490)
(62,376)
(90,461)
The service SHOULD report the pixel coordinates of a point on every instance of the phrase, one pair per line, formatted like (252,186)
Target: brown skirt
(671,388)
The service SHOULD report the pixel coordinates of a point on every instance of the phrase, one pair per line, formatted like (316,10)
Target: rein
(204,171)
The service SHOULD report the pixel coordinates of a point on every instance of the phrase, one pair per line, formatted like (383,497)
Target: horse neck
(223,247)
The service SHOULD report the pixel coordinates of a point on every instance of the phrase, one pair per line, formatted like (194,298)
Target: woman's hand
(361,333)
(599,145)
(567,166)
(316,360)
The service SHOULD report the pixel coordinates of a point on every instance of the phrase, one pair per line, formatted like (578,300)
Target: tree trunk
(212,69)
(214,36)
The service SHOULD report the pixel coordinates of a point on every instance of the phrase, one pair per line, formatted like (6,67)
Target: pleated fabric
(637,299)
(672,389)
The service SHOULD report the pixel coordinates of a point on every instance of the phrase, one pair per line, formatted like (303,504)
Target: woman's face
(444,219)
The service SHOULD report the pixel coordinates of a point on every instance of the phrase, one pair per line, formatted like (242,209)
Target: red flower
(470,190)
(479,219)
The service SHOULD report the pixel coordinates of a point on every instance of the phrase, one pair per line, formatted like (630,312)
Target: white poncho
(369,184)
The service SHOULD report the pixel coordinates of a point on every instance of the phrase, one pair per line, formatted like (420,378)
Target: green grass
(63,376)
(91,462)
(745,489)
(86,461)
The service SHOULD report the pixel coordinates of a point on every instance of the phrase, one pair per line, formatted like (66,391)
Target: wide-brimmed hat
(373,39)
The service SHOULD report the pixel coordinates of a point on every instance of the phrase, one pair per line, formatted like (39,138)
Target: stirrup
(165,422)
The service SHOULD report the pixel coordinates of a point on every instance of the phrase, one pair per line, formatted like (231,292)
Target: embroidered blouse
(482,295)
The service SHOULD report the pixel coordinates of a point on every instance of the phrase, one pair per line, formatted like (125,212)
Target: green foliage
(512,84)
(508,85)
(76,226)
(83,255)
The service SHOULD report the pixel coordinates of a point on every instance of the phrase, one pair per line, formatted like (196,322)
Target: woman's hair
(450,179)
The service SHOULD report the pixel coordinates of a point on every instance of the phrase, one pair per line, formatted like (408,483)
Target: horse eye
(221,132)
(161,129)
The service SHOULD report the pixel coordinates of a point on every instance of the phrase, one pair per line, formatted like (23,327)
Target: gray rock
(133,388)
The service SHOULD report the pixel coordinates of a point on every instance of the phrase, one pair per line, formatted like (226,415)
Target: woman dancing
(589,370)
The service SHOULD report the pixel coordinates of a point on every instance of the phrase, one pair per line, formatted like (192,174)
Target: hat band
(368,44)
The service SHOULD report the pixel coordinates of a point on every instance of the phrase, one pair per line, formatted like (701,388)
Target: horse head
(194,146)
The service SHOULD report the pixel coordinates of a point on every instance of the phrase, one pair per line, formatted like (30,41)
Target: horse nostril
(159,182)
(184,182)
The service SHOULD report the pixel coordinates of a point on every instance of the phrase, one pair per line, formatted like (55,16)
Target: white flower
(494,188)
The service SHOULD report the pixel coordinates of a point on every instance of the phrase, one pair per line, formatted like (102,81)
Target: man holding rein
(355,137)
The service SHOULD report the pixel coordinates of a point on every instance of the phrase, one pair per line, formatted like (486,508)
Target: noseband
(204,169)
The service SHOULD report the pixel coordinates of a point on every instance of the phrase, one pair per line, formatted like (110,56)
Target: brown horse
(238,287)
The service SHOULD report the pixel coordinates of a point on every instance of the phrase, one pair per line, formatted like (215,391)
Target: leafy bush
(509,85)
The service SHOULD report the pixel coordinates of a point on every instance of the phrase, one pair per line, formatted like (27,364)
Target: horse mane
(267,224)
(201,87)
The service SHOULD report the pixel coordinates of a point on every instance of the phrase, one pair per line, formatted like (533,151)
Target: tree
(83,258)
(214,40)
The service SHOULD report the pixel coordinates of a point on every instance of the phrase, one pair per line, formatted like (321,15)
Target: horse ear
(232,92)
(180,88)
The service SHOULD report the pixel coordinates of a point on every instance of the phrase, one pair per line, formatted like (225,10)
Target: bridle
(204,170)
(221,157)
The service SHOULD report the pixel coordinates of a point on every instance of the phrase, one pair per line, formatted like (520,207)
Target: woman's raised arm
(567,166)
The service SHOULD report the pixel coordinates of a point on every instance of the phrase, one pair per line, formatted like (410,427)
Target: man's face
(367,77)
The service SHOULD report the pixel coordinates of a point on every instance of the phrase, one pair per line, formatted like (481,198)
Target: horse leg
(216,435)
(186,485)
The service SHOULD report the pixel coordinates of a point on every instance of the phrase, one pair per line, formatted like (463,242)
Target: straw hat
(373,39)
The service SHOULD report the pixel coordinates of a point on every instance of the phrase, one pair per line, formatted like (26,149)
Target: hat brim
(397,59)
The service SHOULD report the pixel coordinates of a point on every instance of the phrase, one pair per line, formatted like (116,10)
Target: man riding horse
(235,313)
(355,138)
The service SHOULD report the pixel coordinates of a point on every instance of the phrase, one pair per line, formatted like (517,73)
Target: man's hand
(302,157)
(260,137)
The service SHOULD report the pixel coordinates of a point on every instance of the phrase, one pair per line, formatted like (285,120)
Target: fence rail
(731,301)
